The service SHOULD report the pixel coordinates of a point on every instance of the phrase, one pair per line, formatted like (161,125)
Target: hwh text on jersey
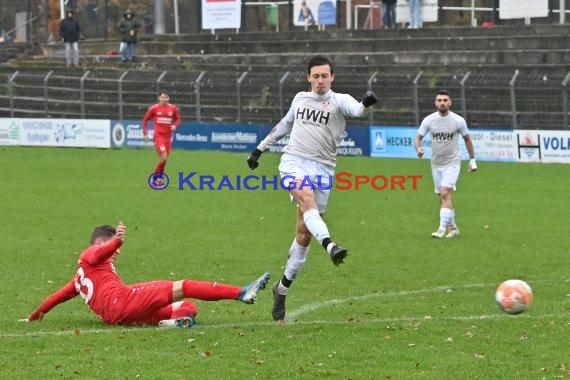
(442,136)
(313,115)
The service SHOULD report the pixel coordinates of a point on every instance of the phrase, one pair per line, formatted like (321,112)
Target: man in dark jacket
(129,27)
(69,33)
(389,14)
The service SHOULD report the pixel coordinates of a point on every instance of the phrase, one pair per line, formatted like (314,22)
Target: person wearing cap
(129,28)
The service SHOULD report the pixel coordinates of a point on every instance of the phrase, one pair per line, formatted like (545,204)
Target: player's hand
(472,165)
(121,231)
(370,98)
(145,136)
(421,152)
(253,158)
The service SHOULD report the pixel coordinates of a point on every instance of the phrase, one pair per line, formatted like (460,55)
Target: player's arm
(96,254)
(422,132)
(64,294)
(282,129)
(418,145)
(471,150)
(353,108)
(176,120)
(148,115)
(468,144)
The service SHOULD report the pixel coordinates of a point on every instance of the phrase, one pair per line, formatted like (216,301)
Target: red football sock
(209,291)
(159,168)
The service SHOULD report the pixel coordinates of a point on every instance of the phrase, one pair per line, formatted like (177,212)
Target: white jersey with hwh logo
(445,131)
(316,124)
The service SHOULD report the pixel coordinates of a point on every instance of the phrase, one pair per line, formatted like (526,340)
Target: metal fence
(489,98)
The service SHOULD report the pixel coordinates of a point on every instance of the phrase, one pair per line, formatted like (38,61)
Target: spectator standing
(69,33)
(389,14)
(415,14)
(129,28)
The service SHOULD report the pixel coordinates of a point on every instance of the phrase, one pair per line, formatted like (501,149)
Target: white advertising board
(79,133)
(509,9)
(221,14)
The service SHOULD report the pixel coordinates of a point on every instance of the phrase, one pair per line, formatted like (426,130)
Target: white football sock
(452,224)
(445,215)
(296,260)
(282,289)
(315,224)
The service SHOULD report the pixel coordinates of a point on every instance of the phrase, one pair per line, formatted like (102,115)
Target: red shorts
(138,302)
(162,143)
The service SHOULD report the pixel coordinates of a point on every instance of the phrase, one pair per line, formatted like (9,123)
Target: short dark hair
(444,92)
(319,60)
(104,232)
(163,92)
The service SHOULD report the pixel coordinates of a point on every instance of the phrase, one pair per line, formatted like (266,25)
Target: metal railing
(488,98)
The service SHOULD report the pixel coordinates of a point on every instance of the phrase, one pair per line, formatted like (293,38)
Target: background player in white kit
(316,123)
(445,127)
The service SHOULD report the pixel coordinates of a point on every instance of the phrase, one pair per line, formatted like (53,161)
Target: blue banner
(399,142)
(396,142)
(229,137)
(129,134)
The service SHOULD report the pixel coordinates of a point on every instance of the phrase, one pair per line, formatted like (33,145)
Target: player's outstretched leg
(183,322)
(249,292)
(278,310)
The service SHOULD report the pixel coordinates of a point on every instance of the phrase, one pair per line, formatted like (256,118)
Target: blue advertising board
(129,134)
(396,142)
(229,137)
(399,142)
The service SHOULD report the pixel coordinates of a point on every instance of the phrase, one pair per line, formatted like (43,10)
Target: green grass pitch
(404,306)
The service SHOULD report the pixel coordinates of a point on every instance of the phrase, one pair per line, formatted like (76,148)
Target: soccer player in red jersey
(149,303)
(166,118)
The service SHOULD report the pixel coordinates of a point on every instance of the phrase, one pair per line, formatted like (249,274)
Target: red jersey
(163,117)
(96,281)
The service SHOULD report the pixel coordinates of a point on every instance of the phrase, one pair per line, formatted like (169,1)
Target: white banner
(221,14)
(9,131)
(492,145)
(429,11)
(523,8)
(314,12)
(543,146)
(78,133)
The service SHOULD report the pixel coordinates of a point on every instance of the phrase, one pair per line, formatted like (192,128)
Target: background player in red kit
(148,303)
(166,118)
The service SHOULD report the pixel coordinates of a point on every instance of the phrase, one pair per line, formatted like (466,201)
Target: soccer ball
(514,296)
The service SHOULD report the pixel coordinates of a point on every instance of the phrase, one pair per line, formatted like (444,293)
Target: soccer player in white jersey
(445,127)
(316,123)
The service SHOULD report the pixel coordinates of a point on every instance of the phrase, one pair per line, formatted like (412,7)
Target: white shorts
(446,176)
(318,174)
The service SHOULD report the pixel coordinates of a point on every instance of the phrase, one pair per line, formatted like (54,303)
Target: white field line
(320,305)
(302,310)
